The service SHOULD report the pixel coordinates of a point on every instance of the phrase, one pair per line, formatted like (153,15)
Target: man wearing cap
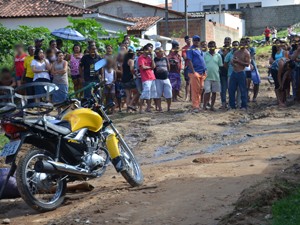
(175,67)
(38,43)
(186,69)
(197,72)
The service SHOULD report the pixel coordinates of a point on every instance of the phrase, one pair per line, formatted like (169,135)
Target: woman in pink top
(74,67)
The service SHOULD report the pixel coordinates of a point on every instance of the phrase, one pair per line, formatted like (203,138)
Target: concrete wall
(280,17)
(51,23)
(218,32)
(197,5)
(229,21)
(128,9)
(177,26)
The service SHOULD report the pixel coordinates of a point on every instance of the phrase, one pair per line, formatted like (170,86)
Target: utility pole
(167,19)
(186,17)
(220,10)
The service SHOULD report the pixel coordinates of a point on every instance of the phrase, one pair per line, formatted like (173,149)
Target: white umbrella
(68,34)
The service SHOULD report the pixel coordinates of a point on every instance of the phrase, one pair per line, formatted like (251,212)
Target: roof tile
(142,23)
(38,8)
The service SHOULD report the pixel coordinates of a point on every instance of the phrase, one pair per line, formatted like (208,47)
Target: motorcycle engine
(91,158)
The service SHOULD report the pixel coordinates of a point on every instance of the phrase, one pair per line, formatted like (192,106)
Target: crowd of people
(133,76)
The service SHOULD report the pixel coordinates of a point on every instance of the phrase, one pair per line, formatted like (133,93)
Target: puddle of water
(162,151)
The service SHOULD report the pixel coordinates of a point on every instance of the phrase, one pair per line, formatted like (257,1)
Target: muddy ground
(205,169)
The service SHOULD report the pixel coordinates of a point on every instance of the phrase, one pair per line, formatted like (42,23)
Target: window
(231,6)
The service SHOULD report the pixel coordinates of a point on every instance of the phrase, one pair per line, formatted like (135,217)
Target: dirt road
(195,166)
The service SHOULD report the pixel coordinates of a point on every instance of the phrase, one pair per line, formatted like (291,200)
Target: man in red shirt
(267,34)
(19,63)
(175,67)
(147,65)
(186,69)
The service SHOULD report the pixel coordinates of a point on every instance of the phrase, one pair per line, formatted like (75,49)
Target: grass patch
(280,34)
(287,211)
(263,50)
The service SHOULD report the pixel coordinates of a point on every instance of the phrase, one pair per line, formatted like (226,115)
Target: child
(6,78)
(19,63)
(59,71)
(120,91)
(110,80)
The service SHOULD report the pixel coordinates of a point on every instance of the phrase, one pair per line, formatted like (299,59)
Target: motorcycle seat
(58,126)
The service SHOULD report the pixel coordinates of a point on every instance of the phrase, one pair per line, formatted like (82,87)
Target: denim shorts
(149,90)
(61,94)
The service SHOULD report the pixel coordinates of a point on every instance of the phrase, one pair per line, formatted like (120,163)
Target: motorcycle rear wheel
(132,172)
(41,191)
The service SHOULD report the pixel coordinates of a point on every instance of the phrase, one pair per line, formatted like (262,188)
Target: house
(143,26)
(112,24)
(213,5)
(128,8)
(88,3)
(37,13)
(232,19)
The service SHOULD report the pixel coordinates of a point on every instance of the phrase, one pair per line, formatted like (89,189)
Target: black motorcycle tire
(134,181)
(24,191)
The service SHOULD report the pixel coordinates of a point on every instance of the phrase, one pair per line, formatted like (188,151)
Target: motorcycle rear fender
(29,138)
(112,144)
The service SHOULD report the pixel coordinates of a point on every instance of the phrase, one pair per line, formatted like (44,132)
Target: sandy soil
(195,165)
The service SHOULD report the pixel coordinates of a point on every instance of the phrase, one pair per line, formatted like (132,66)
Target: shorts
(175,80)
(186,75)
(61,94)
(18,78)
(119,90)
(163,87)
(267,39)
(212,86)
(129,85)
(149,90)
(139,85)
(110,90)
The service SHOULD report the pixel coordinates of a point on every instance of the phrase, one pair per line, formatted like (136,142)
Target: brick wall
(206,30)
(280,17)
(218,32)
(196,26)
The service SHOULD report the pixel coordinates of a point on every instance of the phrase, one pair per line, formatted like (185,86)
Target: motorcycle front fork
(112,143)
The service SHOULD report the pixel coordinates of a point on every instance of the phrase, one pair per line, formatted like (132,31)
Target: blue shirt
(197,58)
(227,60)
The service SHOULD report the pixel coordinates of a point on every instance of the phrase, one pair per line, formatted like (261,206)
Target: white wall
(197,5)
(229,21)
(266,3)
(51,23)
(151,31)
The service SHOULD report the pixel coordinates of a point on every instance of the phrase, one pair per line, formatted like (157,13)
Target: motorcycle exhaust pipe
(60,168)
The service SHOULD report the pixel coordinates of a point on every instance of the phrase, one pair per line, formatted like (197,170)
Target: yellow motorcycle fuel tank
(84,118)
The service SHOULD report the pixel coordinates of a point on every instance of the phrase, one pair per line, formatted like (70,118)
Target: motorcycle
(78,145)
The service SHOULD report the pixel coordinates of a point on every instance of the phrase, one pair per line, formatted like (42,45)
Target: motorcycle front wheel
(132,171)
(41,191)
